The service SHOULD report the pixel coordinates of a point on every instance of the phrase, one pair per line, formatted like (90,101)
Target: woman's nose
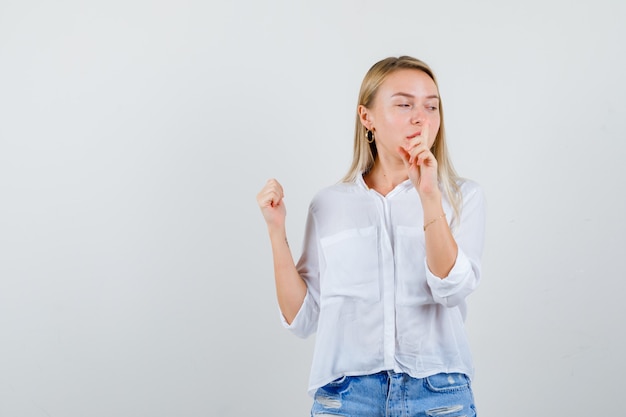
(417,116)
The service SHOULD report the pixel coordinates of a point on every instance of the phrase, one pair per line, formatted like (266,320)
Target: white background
(135,270)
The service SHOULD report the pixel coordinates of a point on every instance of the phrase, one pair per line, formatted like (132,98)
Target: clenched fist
(270,200)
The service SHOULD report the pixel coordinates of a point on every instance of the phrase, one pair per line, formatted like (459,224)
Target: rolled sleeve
(460,282)
(305,322)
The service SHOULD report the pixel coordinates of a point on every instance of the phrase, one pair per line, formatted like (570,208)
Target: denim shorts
(391,394)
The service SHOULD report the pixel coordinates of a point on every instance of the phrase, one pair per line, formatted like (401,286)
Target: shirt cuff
(299,324)
(445,288)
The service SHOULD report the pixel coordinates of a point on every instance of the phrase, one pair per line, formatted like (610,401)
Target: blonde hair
(365,153)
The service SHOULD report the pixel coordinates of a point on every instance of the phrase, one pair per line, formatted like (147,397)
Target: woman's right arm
(290,287)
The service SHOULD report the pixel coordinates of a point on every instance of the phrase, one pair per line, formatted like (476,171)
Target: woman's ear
(365,117)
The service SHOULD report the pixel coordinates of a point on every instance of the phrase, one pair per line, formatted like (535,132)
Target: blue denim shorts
(391,394)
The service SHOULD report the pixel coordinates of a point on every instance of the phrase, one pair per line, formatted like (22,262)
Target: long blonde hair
(365,153)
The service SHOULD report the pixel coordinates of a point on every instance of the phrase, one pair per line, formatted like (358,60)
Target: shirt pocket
(410,252)
(352,265)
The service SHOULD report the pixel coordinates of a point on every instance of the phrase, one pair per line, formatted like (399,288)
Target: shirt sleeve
(469,235)
(305,322)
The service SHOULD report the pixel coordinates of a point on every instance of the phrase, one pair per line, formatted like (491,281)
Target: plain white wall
(135,271)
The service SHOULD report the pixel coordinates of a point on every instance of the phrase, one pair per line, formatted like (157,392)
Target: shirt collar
(403,186)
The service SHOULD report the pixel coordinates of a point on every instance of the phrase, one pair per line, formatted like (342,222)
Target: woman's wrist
(431,199)
(433,220)
(277,232)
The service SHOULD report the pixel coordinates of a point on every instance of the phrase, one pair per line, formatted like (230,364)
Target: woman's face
(406,102)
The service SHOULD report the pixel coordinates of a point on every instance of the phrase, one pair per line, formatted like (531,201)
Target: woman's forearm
(441,248)
(290,287)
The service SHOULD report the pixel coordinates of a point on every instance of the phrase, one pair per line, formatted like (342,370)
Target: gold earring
(370,136)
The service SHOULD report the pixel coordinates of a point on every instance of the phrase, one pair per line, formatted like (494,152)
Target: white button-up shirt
(371,298)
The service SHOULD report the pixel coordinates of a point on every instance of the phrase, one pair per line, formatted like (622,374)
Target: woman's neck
(384,177)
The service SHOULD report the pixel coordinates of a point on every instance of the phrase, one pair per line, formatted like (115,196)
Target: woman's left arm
(459,278)
(452,260)
(441,247)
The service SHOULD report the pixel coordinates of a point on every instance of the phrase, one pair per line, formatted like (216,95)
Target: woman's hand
(270,200)
(421,163)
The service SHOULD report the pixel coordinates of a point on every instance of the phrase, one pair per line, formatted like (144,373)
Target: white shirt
(371,298)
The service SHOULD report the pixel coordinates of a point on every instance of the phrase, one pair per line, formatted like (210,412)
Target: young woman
(389,257)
